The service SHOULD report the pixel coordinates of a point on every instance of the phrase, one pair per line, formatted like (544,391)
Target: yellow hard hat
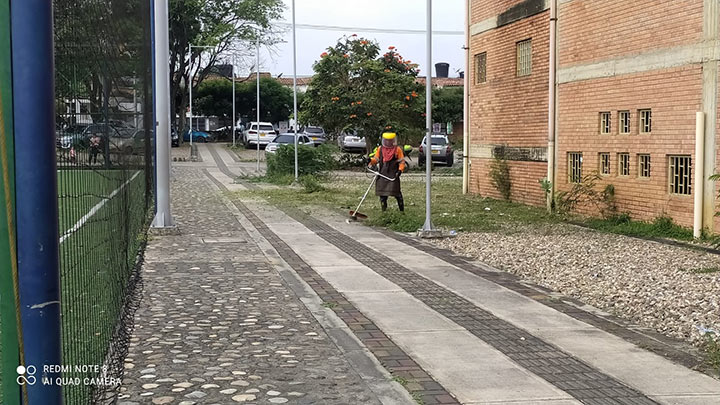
(389,135)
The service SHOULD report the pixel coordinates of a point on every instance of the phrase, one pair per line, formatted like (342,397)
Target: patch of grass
(706,270)
(330,305)
(451,209)
(417,397)
(400,380)
(311,184)
(711,347)
(661,227)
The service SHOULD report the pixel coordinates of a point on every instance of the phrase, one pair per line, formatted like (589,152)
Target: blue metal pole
(36,192)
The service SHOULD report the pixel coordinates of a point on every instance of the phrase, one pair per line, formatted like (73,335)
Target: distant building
(631,77)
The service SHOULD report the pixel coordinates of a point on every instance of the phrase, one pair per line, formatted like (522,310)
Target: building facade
(631,77)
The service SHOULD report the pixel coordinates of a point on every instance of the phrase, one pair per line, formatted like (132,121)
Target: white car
(287,139)
(352,143)
(317,134)
(252,136)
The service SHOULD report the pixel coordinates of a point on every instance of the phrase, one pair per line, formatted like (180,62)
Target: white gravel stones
(196,395)
(163,400)
(648,283)
(240,383)
(150,386)
(244,398)
(278,400)
(208,386)
(183,385)
(273,393)
(228,391)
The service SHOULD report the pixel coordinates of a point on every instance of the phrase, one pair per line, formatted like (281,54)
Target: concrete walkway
(447,329)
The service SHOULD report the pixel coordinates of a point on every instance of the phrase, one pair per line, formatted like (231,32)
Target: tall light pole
(295,111)
(233,98)
(427,230)
(257,97)
(161,93)
(191,80)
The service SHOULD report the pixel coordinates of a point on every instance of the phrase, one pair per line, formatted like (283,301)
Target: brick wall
(524,178)
(481,10)
(674,95)
(592,30)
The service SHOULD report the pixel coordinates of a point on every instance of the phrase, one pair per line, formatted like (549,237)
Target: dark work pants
(400,201)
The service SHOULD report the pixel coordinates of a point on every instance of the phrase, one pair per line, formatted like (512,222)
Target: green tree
(355,87)
(214,98)
(448,104)
(226,26)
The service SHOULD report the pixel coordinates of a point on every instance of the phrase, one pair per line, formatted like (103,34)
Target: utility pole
(295,110)
(427,230)
(233,102)
(257,96)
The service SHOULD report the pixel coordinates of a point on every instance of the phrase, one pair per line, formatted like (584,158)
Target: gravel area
(652,284)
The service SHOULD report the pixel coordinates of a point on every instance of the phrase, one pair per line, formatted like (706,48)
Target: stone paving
(219,325)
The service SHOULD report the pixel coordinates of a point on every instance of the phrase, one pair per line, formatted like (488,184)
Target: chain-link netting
(103,105)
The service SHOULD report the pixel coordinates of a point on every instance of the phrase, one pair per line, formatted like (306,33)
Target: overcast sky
(448,15)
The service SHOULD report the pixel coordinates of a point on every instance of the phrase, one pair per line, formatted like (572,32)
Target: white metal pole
(233,102)
(699,173)
(163,217)
(552,104)
(135,115)
(295,110)
(257,97)
(466,104)
(190,86)
(428,122)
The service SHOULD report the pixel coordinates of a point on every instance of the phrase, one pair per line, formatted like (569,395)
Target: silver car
(287,139)
(317,134)
(441,150)
(352,143)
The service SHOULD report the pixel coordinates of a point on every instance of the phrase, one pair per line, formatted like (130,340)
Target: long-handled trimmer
(355,215)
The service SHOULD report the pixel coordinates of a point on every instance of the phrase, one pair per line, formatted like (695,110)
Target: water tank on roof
(442,69)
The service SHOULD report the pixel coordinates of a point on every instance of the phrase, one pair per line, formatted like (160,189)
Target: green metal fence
(9,390)
(104,175)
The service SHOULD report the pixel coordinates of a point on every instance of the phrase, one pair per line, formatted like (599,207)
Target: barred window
(624,122)
(575,167)
(605,164)
(481,68)
(624,164)
(645,121)
(524,58)
(605,123)
(680,175)
(644,165)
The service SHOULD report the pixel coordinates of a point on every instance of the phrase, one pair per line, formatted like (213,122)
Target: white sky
(448,15)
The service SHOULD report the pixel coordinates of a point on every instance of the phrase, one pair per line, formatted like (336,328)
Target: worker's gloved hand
(397,175)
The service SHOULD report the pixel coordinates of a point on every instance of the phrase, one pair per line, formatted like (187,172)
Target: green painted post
(9,347)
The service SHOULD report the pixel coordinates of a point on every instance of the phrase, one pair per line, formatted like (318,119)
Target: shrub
(585,192)
(350,161)
(311,184)
(311,161)
(500,174)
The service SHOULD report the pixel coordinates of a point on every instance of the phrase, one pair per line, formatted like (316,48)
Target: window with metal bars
(624,164)
(645,121)
(624,122)
(481,68)
(604,164)
(605,123)
(643,165)
(524,58)
(575,167)
(680,175)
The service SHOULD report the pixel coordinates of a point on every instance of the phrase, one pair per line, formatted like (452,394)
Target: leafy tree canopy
(214,98)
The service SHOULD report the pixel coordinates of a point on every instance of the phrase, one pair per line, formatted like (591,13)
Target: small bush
(311,161)
(398,221)
(500,174)
(350,161)
(311,184)
(711,347)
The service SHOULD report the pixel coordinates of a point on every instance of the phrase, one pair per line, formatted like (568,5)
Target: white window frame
(623,166)
(645,121)
(680,175)
(605,123)
(624,122)
(604,159)
(575,167)
(523,58)
(644,167)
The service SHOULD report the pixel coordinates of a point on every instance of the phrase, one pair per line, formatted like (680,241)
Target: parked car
(121,140)
(317,134)
(287,139)
(265,135)
(351,142)
(197,136)
(441,150)
(70,136)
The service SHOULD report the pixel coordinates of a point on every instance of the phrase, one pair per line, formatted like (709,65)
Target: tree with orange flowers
(358,88)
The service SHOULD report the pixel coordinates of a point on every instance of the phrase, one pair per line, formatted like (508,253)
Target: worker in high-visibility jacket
(391,163)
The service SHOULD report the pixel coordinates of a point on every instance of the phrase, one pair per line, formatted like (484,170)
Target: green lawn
(451,209)
(95,259)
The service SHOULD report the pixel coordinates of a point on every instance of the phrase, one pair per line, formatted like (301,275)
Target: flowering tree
(357,88)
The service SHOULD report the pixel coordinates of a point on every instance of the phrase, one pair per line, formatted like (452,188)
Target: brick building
(631,76)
